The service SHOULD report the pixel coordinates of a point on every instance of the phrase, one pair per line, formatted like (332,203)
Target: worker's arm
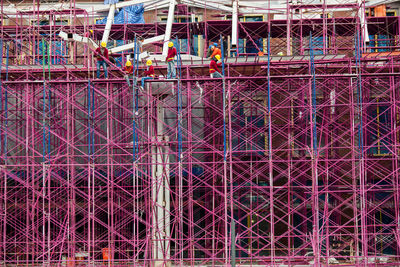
(214,52)
(106,54)
(150,71)
(97,53)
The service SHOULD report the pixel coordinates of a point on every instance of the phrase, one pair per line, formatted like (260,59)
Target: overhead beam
(130,46)
(168,28)
(210,5)
(78,38)
(363,22)
(110,20)
(235,22)
(117,5)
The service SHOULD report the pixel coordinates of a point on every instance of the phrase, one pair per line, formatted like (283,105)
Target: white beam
(363,21)
(157,6)
(168,28)
(63,35)
(235,22)
(253,11)
(132,45)
(257,5)
(78,38)
(103,8)
(209,5)
(378,2)
(110,20)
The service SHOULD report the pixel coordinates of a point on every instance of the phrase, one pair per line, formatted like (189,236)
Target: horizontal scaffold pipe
(294,76)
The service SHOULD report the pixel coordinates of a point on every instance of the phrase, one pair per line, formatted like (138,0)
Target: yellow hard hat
(128,63)
(91,31)
(103,44)
(149,62)
(170,44)
(218,57)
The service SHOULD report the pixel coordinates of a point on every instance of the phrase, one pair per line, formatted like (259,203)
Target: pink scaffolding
(291,158)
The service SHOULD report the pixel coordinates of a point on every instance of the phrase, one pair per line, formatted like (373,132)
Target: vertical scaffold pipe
(44,115)
(179,67)
(44,151)
(134,149)
(3,143)
(48,132)
(49,109)
(227,238)
(363,214)
(89,128)
(180,156)
(5,147)
(135,75)
(134,81)
(92,118)
(89,168)
(270,165)
(4,150)
(1,88)
(314,99)
(4,204)
(1,93)
(315,240)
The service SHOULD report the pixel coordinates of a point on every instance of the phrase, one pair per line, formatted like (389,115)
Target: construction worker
(149,72)
(128,69)
(102,53)
(89,34)
(171,61)
(215,51)
(214,71)
(210,49)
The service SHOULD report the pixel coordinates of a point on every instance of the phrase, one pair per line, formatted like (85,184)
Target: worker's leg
(168,70)
(217,75)
(173,69)
(127,78)
(145,79)
(105,69)
(98,68)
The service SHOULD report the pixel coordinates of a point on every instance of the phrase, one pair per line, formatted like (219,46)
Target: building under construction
(291,159)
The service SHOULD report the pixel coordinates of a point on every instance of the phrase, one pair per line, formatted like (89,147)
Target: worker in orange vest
(214,71)
(215,51)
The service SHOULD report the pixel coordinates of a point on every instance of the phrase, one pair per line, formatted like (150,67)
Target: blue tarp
(127,15)
(379,40)
(108,2)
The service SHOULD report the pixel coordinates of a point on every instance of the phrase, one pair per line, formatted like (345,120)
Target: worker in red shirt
(171,61)
(214,71)
(101,53)
(149,72)
(128,69)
